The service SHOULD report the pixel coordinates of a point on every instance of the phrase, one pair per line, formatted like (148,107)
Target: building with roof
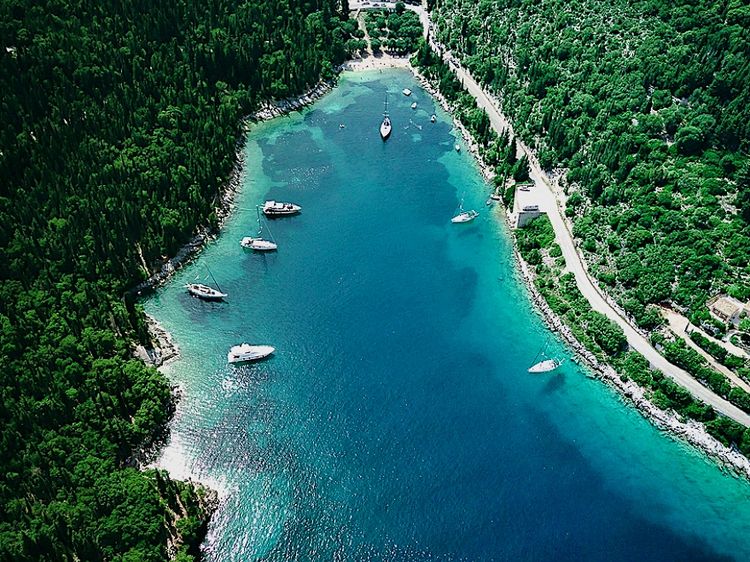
(526,205)
(726,309)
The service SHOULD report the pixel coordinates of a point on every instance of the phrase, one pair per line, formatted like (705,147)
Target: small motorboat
(204,292)
(406,92)
(465,216)
(280,209)
(414,105)
(258,244)
(245,352)
(457,147)
(433,118)
(495,197)
(546,366)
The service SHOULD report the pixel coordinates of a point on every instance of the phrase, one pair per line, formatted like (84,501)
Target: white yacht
(245,352)
(545,366)
(258,244)
(414,105)
(385,126)
(280,209)
(457,147)
(406,92)
(465,216)
(433,118)
(204,292)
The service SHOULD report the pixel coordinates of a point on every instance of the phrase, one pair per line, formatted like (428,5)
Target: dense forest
(640,108)
(397,31)
(118,126)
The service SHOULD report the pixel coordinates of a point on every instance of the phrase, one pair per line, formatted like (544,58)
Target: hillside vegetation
(642,108)
(118,126)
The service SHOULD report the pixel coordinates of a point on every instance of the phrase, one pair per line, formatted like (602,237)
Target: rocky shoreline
(222,208)
(689,431)
(269,110)
(631,393)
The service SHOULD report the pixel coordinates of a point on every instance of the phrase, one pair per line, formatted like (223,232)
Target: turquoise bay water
(396,420)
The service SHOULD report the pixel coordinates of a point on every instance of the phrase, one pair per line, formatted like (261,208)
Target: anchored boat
(245,352)
(464,216)
(546,366)
(258,243)
(280,209)
(385,126)
(204,291)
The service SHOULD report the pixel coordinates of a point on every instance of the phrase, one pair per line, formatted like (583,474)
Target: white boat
(385,126)
(245,352)
(280,209)
(465,216)
(414,105)
(545,366)
(433,118)
(258,243)
(495,197)
(406,92)
(457,147)
(204,292)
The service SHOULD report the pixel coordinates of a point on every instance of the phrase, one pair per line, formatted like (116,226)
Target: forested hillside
(644,108)
(118,126)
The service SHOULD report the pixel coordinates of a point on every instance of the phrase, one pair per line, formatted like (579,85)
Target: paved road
(678,324)
(548,202)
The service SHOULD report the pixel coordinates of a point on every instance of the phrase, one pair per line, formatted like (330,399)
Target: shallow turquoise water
(396,420)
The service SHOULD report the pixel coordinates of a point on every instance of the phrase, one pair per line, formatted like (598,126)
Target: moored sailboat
(258,243)
(385,126)
(464,216)
(547,364)
(204,291)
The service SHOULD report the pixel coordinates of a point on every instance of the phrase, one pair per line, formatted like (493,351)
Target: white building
(526,205)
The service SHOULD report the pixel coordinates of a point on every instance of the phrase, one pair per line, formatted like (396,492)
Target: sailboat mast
(260,225)
(385,113)
(213,279)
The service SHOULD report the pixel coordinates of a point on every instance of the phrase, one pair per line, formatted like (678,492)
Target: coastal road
(550,203)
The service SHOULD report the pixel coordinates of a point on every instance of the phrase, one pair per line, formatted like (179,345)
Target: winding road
(550,202)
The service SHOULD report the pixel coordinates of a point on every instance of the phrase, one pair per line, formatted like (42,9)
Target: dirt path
(678,324)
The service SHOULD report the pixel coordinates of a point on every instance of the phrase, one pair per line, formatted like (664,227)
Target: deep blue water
(396,420)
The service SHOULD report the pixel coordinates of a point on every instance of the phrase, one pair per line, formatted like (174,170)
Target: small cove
(397,420)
